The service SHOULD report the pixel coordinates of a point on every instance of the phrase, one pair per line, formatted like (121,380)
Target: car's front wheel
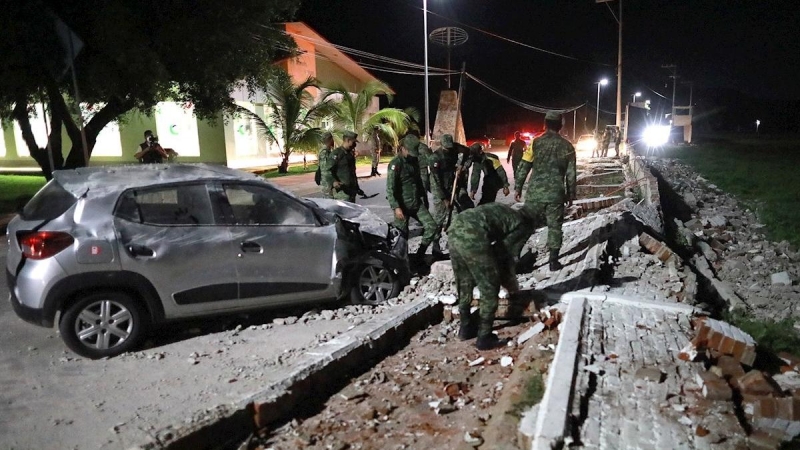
(374,284)
(102,324)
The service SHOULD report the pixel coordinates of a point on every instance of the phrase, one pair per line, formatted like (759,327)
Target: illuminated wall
(38,128)
(176,128)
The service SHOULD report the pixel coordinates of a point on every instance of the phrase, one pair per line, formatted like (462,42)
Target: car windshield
(50,202)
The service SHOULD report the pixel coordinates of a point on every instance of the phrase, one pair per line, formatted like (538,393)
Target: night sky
(752,47)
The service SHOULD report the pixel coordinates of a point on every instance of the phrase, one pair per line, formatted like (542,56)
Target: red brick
(761,440)
(790,359)
(754,383)
(726,345)
(713,387)
(730,367)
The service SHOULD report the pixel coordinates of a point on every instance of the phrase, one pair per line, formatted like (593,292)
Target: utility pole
(619,69)
(674,77)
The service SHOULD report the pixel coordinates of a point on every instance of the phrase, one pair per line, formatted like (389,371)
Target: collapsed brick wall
(649,208)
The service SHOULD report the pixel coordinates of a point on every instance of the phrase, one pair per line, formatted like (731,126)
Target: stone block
(717,221)
(441,270)
(754,383)
(713,387)
(781,278)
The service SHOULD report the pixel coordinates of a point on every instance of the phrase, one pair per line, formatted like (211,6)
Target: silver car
(104,252)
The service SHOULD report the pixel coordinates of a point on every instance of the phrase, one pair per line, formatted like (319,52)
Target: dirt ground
(434,393)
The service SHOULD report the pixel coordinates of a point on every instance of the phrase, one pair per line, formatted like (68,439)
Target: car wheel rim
(376,284)
(104,324)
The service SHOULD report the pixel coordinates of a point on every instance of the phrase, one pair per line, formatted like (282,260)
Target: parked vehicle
(111,250)
(485,141)
(586,145)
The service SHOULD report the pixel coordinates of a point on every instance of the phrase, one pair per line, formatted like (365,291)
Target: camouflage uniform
(552,182)
(343,170)
(444,163)
(484,243)
(605,143)
(515,151)
(404,190)
(326,178)
(494,176)
(425,155)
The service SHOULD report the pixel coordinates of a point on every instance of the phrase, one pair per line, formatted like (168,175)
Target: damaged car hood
(368,221)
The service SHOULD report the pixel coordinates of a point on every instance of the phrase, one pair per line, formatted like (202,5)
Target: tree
(135,54)
(294,113)
(386,125)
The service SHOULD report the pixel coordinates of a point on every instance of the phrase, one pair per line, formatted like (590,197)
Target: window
(257,205)
(173,205)
(50,202)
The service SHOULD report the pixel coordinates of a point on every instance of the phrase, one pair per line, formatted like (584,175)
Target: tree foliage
(135,54)
(352,113)
(294,114)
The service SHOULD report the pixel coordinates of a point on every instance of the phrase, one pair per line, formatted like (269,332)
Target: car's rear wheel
(374,284)
(102,324)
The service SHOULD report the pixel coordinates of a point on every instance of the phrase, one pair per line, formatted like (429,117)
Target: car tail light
(43,244)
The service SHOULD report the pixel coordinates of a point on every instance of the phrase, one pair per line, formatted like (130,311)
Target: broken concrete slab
(781,278)
(530,332)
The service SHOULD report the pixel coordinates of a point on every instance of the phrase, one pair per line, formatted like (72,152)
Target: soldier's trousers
(431,230)
(514,165)
(346,193)
(553,214)
(440,210)
(474,264)
(326,190)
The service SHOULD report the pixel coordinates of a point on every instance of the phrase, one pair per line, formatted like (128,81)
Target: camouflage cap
(476,147)
(553,115)
(411,143)
(350,135)
(447,141)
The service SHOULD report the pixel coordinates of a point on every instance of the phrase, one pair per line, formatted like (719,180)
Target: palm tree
(294,113)
(351,113)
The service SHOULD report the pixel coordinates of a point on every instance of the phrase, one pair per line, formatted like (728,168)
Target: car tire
(374,284)
(102,324)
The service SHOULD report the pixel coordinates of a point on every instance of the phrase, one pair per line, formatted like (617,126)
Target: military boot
(437,250)
(421,250)
(469,326)
(554,264)
(489,341)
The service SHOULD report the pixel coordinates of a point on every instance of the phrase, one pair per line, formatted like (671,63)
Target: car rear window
(50,202)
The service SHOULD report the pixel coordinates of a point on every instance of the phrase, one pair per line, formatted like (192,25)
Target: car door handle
(140,250)
(251,247)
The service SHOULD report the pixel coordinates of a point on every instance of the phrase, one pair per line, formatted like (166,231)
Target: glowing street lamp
(758,122)
(638,94)
(602,82)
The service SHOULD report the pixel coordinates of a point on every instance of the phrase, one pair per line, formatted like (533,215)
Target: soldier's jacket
(343,169)
(324,160)
(515,151)
(494,174)
(425,156)
(403,184)
(496,223)
(553,178)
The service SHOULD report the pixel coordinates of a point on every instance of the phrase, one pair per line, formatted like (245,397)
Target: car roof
(108,180)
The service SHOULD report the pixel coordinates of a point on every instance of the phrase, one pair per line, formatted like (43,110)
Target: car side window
(170,205)
(256,205)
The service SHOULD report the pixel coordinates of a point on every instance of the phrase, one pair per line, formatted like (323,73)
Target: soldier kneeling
(484,244)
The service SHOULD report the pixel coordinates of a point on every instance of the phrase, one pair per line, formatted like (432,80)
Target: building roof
(327,50)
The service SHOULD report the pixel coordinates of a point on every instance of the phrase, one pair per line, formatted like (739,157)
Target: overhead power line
(512,41)
(520,103)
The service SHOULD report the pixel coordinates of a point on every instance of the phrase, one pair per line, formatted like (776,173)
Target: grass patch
(774,336)
(16,190)
(293,170)
(532,394)
(761,173)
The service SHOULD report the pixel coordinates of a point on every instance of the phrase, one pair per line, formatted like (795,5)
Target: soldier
(484,243)
(552,183)
(494,175)
(324,162)
(617,141)
(606,142)
(343,169)
(407,196)
(376,159)
(515,151)
(425,155)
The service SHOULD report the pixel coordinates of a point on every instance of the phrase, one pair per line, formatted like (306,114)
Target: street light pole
(619,70)
(427,106)
(602,82)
